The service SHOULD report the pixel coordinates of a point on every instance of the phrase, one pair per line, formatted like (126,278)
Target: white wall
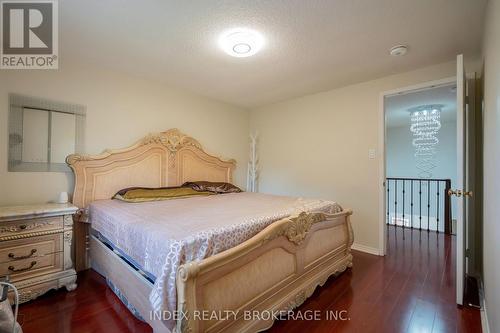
(120,110)
(318,145)
(491,227)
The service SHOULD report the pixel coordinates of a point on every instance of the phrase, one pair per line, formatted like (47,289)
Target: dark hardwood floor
(410,290)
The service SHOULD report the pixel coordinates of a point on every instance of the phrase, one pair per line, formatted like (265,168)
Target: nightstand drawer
(20,227)
(26,268)
(33,247)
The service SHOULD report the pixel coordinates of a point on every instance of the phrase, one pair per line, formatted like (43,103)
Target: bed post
(186,297)
(81,228)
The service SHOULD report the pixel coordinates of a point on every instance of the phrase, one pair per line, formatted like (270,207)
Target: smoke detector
(398,50)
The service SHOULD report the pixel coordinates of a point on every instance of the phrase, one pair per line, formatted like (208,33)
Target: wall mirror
(42,133)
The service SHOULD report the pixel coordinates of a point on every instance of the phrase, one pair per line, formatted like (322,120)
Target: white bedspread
(160,236)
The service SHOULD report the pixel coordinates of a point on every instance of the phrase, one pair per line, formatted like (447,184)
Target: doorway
(422,189)
(421,160)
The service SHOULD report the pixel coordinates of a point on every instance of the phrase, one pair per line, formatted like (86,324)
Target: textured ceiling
(396,107)
(310,46)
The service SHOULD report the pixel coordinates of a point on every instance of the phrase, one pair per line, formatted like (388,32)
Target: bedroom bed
(219,263)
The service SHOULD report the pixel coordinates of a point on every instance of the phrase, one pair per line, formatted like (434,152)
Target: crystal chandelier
(425,122)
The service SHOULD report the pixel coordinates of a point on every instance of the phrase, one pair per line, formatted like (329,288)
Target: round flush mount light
(242,48)
(241,42)
(398,50)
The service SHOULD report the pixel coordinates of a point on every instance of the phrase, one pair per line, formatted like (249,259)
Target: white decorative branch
(253,171)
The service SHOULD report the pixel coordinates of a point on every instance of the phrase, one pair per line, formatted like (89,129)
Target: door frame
(381,146)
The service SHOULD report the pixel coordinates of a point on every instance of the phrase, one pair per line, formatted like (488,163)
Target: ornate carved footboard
(243,288)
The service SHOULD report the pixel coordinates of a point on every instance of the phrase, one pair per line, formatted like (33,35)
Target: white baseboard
(366,249)
(484,319)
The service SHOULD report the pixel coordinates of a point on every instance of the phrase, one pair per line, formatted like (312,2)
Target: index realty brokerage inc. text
(205,315)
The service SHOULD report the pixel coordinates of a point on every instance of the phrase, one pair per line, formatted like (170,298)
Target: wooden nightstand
(36,248)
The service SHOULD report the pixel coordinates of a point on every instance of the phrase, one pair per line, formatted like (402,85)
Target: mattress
(160,236)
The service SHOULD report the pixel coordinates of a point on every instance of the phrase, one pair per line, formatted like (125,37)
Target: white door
(461,177)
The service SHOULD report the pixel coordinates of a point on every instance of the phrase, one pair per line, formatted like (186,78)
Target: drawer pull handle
(13,256)
(23,226)
(13,269)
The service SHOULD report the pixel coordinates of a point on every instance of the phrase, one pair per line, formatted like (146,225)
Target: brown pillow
(145,194)
(214,187)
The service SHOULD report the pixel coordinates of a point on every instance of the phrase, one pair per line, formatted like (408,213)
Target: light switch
(372,153)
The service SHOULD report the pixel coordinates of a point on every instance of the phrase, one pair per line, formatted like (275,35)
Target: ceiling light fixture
(398,50)
(241,42)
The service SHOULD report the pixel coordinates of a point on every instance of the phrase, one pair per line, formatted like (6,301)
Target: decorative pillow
(143,194)
(214,187)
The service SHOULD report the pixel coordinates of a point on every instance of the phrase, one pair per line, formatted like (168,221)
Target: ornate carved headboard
(165,159)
